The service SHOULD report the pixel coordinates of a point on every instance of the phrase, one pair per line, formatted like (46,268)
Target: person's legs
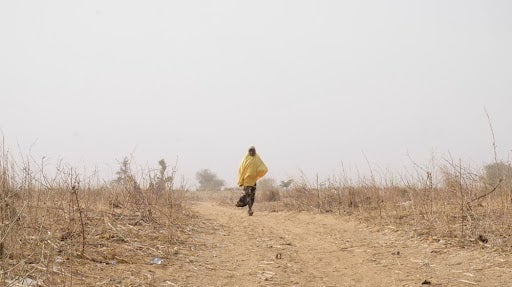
(242,201)
(250,193)
(245,198)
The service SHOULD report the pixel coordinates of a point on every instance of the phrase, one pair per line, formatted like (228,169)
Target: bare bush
(268,195)
(268,190)
(460,206)
(57,230)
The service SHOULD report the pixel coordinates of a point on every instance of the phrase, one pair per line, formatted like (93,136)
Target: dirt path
(303,249)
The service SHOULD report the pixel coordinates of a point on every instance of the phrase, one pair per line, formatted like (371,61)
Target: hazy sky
(311,84)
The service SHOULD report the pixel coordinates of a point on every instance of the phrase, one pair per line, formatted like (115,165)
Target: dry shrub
(461,208)
(331,199)
(268,195)
(59,231)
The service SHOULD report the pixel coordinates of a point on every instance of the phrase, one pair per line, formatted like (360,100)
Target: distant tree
(286,184)
(208,180)
(125,176)
(495,171)
(162,180)
(266,183)
(124,171)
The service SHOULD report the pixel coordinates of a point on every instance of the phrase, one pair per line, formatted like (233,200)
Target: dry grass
(462,209)
(62,232)
(268,195)
(65,231)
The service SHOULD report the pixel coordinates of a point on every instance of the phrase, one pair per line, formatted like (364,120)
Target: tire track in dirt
(305,249)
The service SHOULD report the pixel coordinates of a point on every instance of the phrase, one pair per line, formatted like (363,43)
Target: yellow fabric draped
(251,169)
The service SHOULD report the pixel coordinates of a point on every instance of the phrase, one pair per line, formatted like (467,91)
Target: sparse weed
(56,231)
(462,207)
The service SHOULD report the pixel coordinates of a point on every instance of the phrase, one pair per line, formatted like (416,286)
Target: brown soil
(229,248)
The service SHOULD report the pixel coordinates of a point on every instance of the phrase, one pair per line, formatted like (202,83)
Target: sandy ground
(229,248)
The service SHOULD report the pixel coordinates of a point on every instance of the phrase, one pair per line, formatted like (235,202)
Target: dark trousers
(248,197)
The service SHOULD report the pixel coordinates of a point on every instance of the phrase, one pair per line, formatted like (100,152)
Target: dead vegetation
(450,202)
(63,230)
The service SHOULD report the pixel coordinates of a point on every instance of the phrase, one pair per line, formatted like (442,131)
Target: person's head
(252,151)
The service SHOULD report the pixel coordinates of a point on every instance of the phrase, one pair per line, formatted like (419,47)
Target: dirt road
(302,249)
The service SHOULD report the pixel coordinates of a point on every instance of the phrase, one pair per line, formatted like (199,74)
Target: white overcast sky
(311,84)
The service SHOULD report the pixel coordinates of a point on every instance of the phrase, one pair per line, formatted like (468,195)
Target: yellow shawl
(251,169)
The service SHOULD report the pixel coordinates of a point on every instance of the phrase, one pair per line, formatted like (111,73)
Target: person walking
(250,171)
